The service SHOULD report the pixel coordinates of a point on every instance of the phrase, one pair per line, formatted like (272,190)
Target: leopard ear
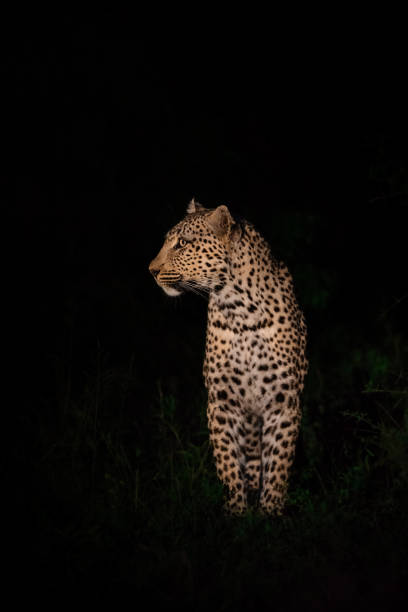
(220,221)
(194,206)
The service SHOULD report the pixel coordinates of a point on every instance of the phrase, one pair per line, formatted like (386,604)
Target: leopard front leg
(279,436)
(229,456)
(252,445)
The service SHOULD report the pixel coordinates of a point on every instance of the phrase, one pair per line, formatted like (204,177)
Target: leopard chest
(242,367)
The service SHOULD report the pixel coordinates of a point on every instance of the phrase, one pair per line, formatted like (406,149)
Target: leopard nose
(154,270)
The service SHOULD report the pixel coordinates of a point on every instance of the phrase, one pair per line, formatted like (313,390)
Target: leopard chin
(171,290)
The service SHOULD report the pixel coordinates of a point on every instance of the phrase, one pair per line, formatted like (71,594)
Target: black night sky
(107,132)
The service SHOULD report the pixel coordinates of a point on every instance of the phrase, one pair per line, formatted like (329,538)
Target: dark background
(107,134)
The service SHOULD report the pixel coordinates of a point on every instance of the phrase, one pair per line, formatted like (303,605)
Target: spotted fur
(255,361)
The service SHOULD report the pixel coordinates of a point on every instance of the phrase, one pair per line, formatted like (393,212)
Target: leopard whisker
(198,289)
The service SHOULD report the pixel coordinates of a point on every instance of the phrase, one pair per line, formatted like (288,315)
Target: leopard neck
(247,299)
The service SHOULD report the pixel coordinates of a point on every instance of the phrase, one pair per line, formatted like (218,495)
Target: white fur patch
(171,291)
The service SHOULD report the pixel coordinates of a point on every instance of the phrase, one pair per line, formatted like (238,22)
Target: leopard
(255,351)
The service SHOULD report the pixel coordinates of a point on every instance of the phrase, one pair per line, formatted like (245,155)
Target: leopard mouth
(174,284)
(170,283)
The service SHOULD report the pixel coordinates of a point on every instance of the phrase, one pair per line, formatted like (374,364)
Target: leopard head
(195,253)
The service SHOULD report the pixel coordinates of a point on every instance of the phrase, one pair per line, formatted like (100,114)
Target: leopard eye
(181,242)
